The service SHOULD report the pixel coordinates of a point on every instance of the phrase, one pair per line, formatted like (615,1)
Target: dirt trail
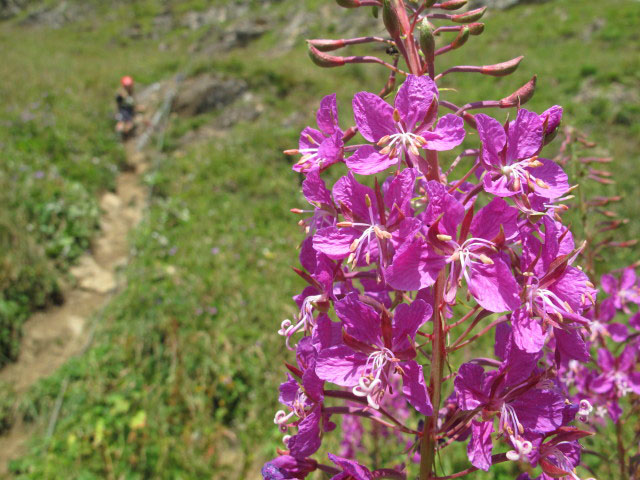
(53,336)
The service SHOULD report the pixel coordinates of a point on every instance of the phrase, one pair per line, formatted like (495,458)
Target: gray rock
(240,34)
(207,92)
(56,16)
(11,8)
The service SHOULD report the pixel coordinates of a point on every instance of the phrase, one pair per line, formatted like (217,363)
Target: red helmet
(126,81)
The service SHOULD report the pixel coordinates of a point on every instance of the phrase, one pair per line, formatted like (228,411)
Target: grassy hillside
(181,381)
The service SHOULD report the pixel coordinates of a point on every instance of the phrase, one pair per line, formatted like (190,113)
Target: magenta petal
(415,265)
(313,386)
(288,391)
(287,467)
(449,133)
(609,283)
(327,334)
(414,388)
(407,229)
(352,469)
(327,114)
(341,365)
(571,286)
(571,345)
(480,447)
(374,116)
(618,331)
(553,176)
(400,191)
(308,255)
(494,287)
(330,150)
(443,203)
(335,242)
(601,384)
(633,380)
(368,161)
(539,411)
(310,138)
(359,320)
(314,188)
(627,279)
(498,187)
(527,332)
(468,386)
(524,136)
(406,322)
(493,139)
(348,192)
(634,321)
(606,361)
(307,441)
(414,99)
(497,213)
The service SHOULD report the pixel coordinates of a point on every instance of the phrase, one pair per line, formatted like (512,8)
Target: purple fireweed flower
(619,376)
(404,129)
(369,228)
(623,292)
(555,293)
(318,294)
(285,467)
(323,147)
(525,402)
(474,253)
(304,402)
(375,347)
(602,327)
(559,460)
(478,258)
(510,157)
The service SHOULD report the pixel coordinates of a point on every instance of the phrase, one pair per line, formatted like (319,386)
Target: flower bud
(552,123)
(390,19)
(325,60)
(427,40)
(476,28)
(502,69)
(520,96)
(470,16)
(461,39)
(326,45)
(453,4)
(348,3)
(470,119)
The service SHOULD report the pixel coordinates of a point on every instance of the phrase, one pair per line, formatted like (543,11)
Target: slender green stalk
(438,354)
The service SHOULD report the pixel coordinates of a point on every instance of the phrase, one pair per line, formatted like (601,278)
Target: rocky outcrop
(207,92)
(11,8)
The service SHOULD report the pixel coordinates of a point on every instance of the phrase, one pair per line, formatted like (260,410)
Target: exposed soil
(53,336)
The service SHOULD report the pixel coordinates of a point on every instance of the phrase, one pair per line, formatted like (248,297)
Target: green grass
(181,381)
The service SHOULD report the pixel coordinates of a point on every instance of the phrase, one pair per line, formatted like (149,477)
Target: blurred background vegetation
(181,380)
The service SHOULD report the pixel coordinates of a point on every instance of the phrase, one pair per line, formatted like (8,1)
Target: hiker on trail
(126,108)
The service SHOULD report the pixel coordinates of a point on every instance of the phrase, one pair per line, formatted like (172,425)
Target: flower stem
(438,354)
(621,452)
